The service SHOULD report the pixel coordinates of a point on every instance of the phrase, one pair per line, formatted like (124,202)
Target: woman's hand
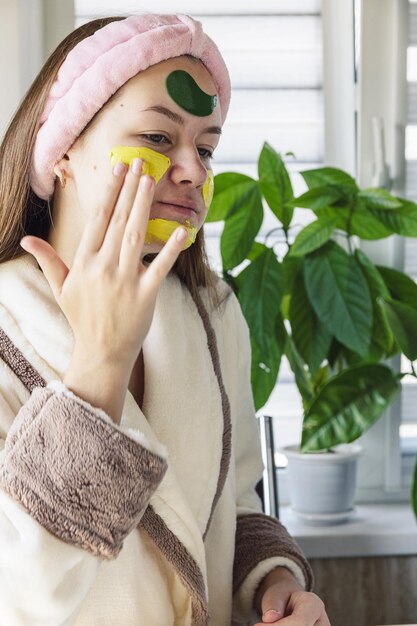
(108,295)
(281,600)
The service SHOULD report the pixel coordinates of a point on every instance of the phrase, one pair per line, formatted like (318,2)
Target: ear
(62,170)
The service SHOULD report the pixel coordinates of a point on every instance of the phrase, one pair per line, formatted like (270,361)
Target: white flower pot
(322,484)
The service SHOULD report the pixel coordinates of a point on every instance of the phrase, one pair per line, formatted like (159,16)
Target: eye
(156,138)
(205,153)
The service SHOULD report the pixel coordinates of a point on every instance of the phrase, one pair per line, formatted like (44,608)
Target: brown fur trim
(260,537)
(227,423)
(79,477)
(185,566)
(18,364)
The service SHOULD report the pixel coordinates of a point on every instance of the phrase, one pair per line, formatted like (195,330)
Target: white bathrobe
(152,522)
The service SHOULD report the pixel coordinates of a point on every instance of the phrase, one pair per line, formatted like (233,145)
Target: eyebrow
(174,117)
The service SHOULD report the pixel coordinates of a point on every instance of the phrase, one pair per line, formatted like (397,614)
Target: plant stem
(349,226)
(286,238)
(349,242)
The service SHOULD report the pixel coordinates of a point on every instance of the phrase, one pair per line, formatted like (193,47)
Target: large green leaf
(240,230)
(275,184)
(347,405)
(265,365)
(261,287)
(256,250)
(402,221)
(290,267)
(377,198)
(402,320)
(372,223)
(313,236)
(318,197)
(329,176)
(359,221)
(382,342)
(400,286)
(366,225)
(339,294)
(340,214)
(231,191)
(311,337)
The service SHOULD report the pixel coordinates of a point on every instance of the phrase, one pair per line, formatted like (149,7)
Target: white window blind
(274,57)
(273,49)
(408,427)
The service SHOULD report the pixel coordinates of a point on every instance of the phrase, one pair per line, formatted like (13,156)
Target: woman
(130,448)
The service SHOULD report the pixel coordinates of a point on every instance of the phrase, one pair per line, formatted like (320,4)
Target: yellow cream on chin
(161,230)
(156,164)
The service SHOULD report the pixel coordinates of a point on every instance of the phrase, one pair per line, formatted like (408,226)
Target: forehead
(151,83)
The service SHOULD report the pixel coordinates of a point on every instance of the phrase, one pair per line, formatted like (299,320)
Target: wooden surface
(373,591)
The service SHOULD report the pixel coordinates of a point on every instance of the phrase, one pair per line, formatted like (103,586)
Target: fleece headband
(99,65)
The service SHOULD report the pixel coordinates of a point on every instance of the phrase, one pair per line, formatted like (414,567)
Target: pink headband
(99,65)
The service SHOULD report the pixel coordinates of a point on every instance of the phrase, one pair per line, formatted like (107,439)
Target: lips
(176,212)
(181,204)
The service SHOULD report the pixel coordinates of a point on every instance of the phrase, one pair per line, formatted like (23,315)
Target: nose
(187,169)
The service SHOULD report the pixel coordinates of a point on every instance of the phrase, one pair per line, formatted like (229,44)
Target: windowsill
(373,530)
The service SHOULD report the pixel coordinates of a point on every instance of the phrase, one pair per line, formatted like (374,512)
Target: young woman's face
(144,114)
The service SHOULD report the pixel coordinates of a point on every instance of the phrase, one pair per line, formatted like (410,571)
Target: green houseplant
(316,297)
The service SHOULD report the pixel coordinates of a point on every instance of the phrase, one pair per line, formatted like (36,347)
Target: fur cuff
(76,474)
(244,601)
(263,543)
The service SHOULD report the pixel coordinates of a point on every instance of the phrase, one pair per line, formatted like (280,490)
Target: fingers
(163,263)
(273,606)
(99,218)
(116,231)
(303,609)
(134,233)
(51,264)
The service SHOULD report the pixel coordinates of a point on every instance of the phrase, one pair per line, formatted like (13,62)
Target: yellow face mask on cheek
(208,189)
(156,164)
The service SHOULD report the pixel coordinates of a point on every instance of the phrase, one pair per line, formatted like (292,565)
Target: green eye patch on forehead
(185,92)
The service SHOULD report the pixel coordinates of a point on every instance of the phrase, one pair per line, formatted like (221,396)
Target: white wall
(9,57)
(29,31)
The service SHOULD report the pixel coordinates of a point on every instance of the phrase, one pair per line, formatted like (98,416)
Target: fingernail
(136,166)
(22,244)
(181,235)
(119,168)
(271,614)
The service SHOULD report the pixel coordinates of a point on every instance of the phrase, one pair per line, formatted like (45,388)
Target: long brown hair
(23,213)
